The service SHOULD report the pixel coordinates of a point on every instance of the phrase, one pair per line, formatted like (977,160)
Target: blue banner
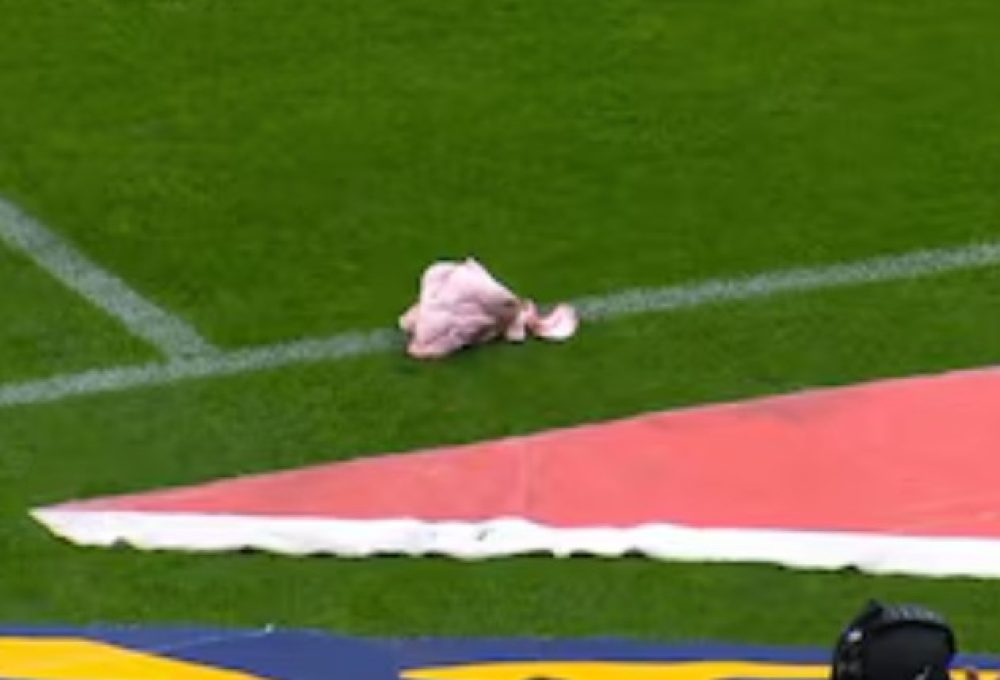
(139,653)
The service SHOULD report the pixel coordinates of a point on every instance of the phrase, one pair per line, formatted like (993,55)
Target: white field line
(172,336)
(232,362)
(910,265)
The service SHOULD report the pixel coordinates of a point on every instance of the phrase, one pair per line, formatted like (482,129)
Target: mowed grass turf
(46,329)
(276,169)
(271,170)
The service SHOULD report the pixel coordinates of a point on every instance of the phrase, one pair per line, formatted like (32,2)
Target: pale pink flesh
(461,304)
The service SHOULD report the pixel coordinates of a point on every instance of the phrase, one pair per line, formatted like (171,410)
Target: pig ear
(559,324)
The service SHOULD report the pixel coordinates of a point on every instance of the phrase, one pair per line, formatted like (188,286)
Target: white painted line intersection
(169,334)
(911,265)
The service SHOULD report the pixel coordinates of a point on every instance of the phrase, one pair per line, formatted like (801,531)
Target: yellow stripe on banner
(623,670)
(79,659)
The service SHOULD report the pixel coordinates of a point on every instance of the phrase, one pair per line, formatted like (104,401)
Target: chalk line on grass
(165,331)
(915,264)
(912,265)
(233,362)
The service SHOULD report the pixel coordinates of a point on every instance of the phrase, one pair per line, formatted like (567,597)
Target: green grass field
(271,170)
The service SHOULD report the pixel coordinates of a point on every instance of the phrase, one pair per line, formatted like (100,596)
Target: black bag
(894,642)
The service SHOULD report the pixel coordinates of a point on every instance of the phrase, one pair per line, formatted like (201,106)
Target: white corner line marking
(912,265)
(55,255)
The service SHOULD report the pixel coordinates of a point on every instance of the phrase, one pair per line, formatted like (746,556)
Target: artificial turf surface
(271,170)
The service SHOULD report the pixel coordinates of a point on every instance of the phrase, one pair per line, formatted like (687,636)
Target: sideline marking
(168,333)
(233,362)
(912,265)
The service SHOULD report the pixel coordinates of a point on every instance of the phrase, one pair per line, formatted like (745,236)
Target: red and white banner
(893,476)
